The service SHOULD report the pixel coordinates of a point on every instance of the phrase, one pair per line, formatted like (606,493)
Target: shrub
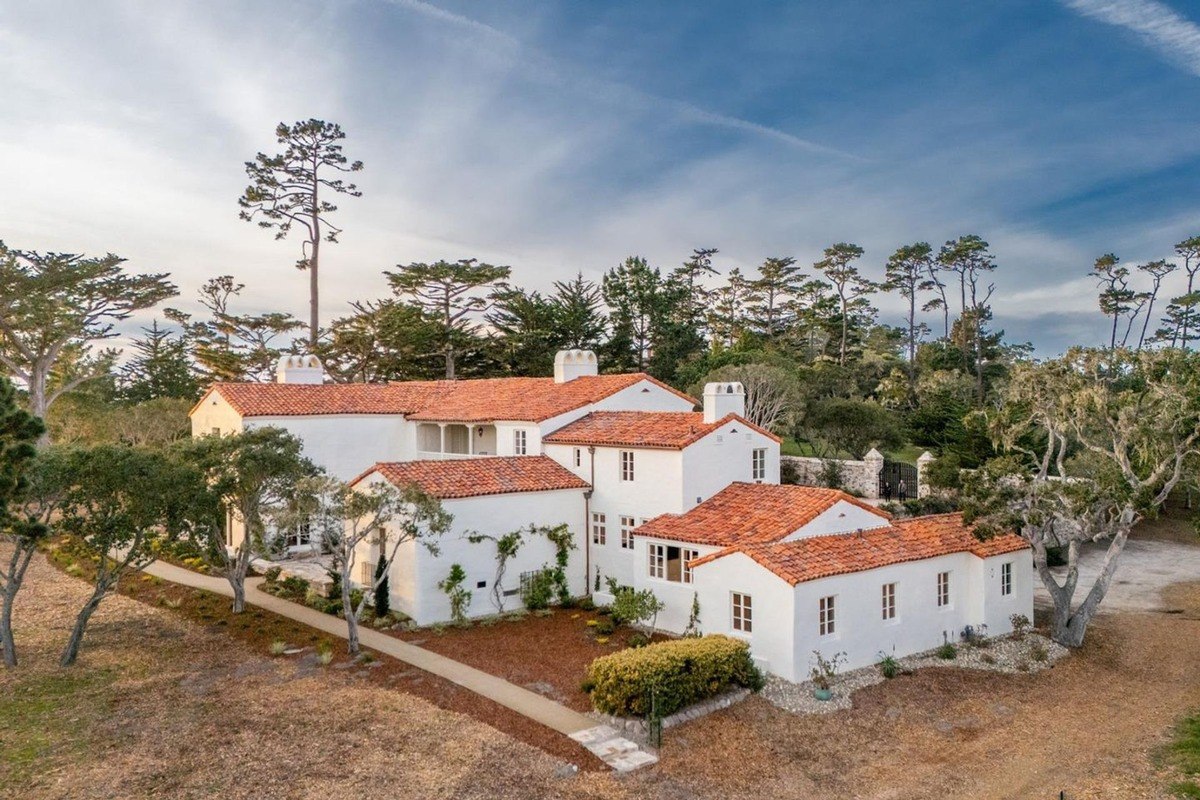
(383,595)
(604,627)
(634,606)
(889,667)
(272,574)
(277,647)
(586,604)
(681,672)
(1020,626)
(947,651)
(1038,651)
(460,598)
(975,636)
(825,669)
(539,590)
(638,640)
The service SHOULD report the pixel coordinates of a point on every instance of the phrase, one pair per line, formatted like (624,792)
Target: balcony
(451,440)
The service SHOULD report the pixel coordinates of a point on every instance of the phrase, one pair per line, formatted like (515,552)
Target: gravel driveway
(1146,567)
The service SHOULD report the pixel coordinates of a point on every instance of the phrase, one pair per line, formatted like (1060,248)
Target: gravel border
(1001,654)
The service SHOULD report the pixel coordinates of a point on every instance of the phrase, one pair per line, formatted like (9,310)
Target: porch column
(470,440)
(442,435)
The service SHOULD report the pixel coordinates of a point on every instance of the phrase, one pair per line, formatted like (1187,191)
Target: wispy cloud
(1174,36)
(554,70)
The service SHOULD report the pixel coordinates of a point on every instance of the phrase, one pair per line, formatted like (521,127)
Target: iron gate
(897,481)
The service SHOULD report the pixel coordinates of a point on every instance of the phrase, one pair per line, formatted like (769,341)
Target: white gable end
(843,517)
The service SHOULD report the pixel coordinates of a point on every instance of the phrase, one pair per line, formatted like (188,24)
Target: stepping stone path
(615,750)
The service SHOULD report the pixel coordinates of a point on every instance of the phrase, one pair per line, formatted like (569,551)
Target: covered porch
(443,440)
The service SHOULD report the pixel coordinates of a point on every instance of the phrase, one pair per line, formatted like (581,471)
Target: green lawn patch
(47,719)
(1183,753)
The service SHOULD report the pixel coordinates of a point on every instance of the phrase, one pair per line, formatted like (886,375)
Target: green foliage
(460,598)
(1183,754)
(824,670)
(678,673)
(538,591)
(693,624)
(382,604)
(634,607)
(889,667)
(1020,626)
(946,651)
(159,368)
(852,426)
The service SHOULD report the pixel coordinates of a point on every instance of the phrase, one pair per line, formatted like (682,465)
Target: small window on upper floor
(626,465)
(520,443)
(758,464)
(1006,578)
(578,457)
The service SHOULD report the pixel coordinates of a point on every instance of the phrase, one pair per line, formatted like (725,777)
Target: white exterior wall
(772,602)
(841,517)
(656,488)
(676,595)
(415,575)
(346,444)
(723,457)
(998,608)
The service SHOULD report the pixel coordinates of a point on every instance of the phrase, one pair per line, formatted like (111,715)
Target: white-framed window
(943,589)
(626,465)
(742,616)
(578,457)
(658,561)
(688,555)
(520,443)
(300,534)
(670,563)
(366,575)
(1006,578)
(627,526)
(599,528)
(889,601)
(758,464)
(827,615)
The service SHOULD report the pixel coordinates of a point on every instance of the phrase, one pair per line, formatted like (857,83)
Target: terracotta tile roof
(476,477)
(744,513)
(666,429)
(522,399)
(838,554)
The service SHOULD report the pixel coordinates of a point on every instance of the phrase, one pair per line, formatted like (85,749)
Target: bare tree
(772,393)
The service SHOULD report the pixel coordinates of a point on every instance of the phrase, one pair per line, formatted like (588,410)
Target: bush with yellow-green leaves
(679,673)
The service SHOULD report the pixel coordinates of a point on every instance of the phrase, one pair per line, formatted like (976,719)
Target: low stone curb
(638,730)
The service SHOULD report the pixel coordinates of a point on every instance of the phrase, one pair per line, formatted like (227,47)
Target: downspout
(587,520)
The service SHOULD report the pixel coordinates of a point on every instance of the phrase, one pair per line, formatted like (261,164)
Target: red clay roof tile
(665,429)
(476,477)
(743,513)
(485,400)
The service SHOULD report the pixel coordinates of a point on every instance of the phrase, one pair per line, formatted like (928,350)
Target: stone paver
(529,704)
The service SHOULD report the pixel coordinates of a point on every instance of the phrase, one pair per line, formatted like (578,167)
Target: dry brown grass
(162,707)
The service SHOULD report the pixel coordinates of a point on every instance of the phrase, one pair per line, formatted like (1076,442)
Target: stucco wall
(858,477)
(416,573)
(722,457)
(842,517)
(213,414)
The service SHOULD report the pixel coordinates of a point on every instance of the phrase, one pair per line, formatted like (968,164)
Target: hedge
(682,671)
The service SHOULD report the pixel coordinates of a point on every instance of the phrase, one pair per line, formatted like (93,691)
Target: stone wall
(858,477)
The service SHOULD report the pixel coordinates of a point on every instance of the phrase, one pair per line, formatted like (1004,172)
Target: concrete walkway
(617,753)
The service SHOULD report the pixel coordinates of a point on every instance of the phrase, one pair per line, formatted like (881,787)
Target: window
(826,620)
(658,561)
(742,614)
(889,601)
(670,563)
(758,464)
(626,465)
(1006,578)
(627,526)
(216,431)
(943,589)
(519,443)
(300,534)
(366,575)
(578,457)
(599,529)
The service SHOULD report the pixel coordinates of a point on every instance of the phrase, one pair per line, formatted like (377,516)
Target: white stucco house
(798,569)
(655,493)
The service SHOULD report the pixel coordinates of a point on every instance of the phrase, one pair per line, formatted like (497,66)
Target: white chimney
(723,399)
(299,369)
(572,364)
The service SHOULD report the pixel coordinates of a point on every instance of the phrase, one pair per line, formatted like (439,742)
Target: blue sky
(559,136)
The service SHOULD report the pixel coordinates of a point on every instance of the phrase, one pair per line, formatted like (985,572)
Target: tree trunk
(71,652)
(314,318)
(1068,627)
(350,613)
(7,643)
